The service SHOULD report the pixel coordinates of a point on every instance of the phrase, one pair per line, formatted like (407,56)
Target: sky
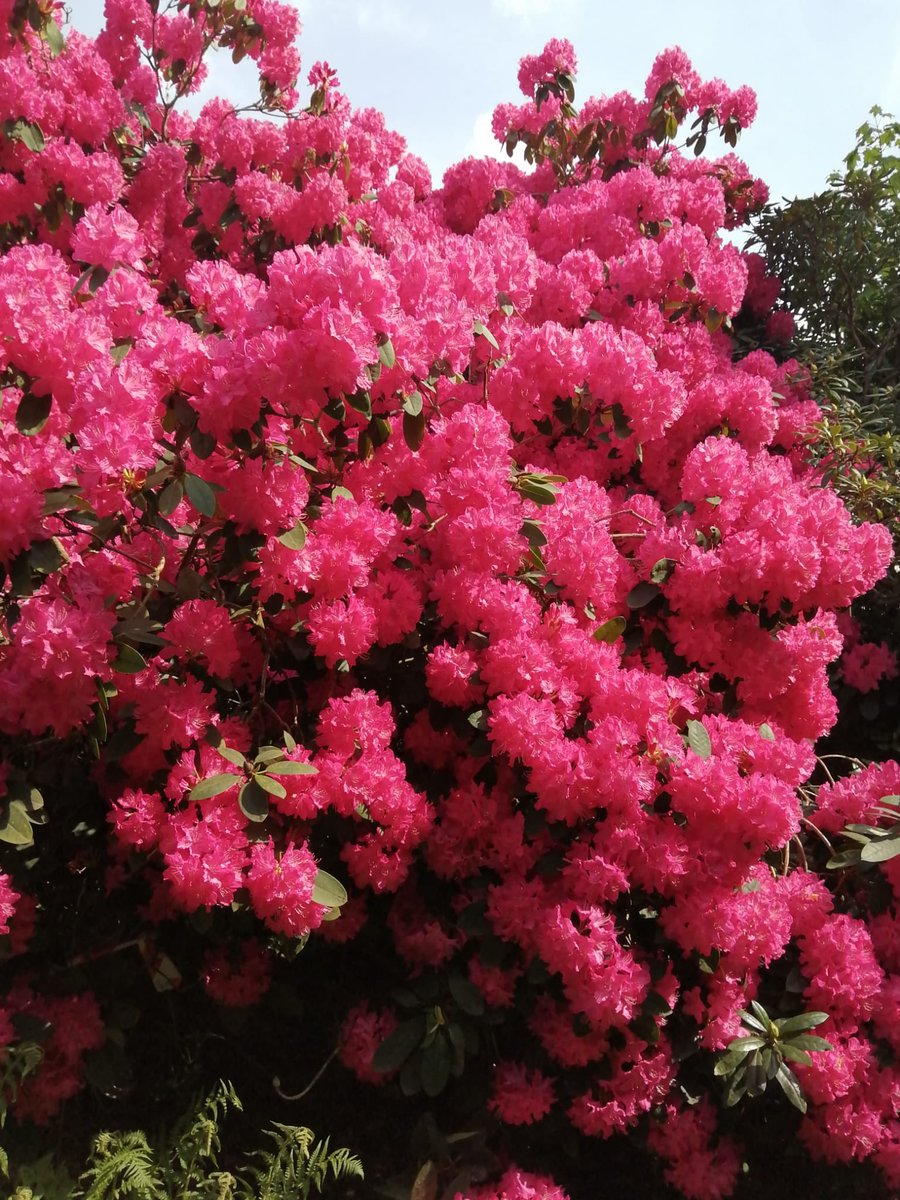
(437,69)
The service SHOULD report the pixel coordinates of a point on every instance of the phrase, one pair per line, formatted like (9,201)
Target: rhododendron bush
(435,578)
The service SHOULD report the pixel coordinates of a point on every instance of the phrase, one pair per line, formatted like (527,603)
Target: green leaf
(15,828)
(361,402)
(661,570)
(272,786)
(328,891)
(765,732)
(200,495)
(170,497)
(540,493)
(54,38)
(46,557)
(745,1044)
(436,1062)
(481,330)
(610,631)
(32,413)
(641,595)
(412,404)
(788,1025)
(729,1061)
(294,539)
(129,661)
(232,756)
(28,133)
(414,430)
(795,1053)
(882,849)
(467,995)
(214,785)
(753,1021)
(253,801)
(809,1041)
(386,355)
(399,1045)
(698,739)
(790,1085)
(291,768)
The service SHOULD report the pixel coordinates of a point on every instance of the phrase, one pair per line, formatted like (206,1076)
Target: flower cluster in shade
(549,522)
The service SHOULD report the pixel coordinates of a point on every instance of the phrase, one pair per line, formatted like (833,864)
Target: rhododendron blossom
(436,574)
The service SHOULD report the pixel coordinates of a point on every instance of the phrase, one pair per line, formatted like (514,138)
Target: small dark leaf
(641,595)
(399,1045)
(436,1062)
(200,495)
(129,661)
(32,413)
(414,430)
(466,995)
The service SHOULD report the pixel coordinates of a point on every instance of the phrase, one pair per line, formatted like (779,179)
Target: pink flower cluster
(437,538)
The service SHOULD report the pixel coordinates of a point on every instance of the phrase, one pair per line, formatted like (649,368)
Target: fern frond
(121,1165)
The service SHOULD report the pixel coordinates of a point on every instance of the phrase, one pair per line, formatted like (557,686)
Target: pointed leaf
(386,355)
(214,785)
(698,739)
(481,330)
(399,1045)
(272,786)
(291,768)
(809,1041)
(467,995)
(792,1051)
(789,1025)
(200,495)
(129,661)
(790,1085)
(414,430)
(15,828)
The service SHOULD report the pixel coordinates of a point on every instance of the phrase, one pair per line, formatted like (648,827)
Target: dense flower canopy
(454,540)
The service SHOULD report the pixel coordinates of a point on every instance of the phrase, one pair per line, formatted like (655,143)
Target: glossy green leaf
(214,785)
(129,661)
(482,331)
(790,1085)
(200,495)
(641,595)
(788,1025)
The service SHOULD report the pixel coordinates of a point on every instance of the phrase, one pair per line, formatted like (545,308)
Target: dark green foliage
(185,1162)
